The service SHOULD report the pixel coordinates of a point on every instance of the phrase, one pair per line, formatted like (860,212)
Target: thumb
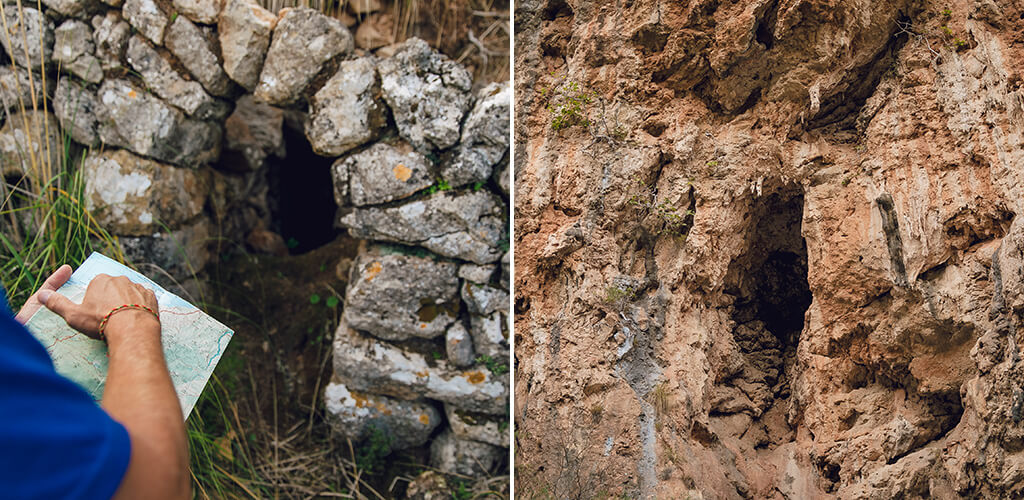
(56,303)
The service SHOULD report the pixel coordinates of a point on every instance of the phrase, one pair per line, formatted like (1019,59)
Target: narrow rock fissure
(301,195)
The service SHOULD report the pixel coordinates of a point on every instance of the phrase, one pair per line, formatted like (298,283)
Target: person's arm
(139,392)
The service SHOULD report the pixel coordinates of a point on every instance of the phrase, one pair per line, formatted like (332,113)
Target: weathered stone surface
(458,346)
(161,77)
(505,271)
(345,112)
(147,17)
(74,49)
(484,139)
(484,299)
(395,297)
(75,107)
(490,335)
(132,118)
(111,35)
(135,196)
(19,89)
(366,364)
(383,173)
(29,38)
(73,8)
(303,41)
(478,427)
(195,48)
(253,132)
(357,415)
(503,177)
(467,225)
(180,253)
(339,176)
(427,92)
(30,144)
(244,29)
(454,455)
(200,11)
(475,273)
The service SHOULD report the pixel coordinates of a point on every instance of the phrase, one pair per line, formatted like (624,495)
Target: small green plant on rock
(568,103)
(614,294)
(674,221)
(494,366)
(370,456)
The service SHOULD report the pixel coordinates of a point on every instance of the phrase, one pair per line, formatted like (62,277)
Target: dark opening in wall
(301,195)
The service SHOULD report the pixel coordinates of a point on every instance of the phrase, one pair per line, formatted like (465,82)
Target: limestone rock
(366,364)
(74,51)
(303,41)
(503,178)
(490,335)
(30,144)
(458,346)
(478,427)
(475,273)
(19,89)
(357,415)
(75,106)
(454,455)
(244,29)
(200,11)
(466,225)
(484,299)
(484,139)
(505,265)
(132,118)
(147,17)
(427,92)
(111,35)
(395,297)
(345,112)
(73,8)
(383,173)
(135,196)
(29,39)
(161,77)
(180,253)
(195,48)
(253,132)
(339,175)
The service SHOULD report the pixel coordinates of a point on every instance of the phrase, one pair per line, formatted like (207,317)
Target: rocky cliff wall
(176,110)
(769,249)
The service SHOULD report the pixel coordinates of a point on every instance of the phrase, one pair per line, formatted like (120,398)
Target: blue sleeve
(55,442)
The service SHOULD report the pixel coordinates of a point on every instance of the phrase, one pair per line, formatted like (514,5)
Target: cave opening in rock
(301,195)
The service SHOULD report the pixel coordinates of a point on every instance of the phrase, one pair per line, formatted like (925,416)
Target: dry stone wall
(176,107)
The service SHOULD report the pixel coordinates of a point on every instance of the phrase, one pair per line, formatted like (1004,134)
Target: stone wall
(176,106)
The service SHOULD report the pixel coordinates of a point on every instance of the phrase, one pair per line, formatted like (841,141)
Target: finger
(55,281)
(58,278)
(58,303)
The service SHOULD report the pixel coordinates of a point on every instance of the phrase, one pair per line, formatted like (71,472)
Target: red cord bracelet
(103,322)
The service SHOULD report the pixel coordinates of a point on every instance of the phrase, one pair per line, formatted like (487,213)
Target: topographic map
(193,341)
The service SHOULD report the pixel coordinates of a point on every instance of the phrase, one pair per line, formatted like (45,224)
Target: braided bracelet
(103,322)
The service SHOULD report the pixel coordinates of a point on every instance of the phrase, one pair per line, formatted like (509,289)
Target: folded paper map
(193,341)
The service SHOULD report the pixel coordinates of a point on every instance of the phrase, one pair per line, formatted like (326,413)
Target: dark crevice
(891,228)
(301,195)
(764,32)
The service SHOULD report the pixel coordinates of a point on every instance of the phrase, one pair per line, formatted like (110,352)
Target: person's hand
(55,281)
(103,295)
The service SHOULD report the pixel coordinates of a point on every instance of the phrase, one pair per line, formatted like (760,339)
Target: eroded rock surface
(346,111)
(356,416)
(382,173)
(244,29)
(28,37)
(303,40)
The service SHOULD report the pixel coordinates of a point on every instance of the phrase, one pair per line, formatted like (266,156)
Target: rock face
(111,36)
(382,173)
(146,17)
(72,8)
(253,132)
(29,38)
(18,89)
(75,107)
(303,41)
(244,29)
(200,11)
(356,416)
(74,50)
(455,455)
(428,94)
(195,48)
(30,146)
(759,264)
(164,81)
(346,111)
(484,138)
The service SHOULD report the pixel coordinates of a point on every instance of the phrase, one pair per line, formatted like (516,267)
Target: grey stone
(505,272)
(147,17)
(345,112)
(427,92)
(364,363)
(135,196)
(303,41)
(180,253)
(29,37)
(484,139)
(489,429)
(73,8)
(74,49)
(19,89)
(75,106)
(490,335)
(484,299)
(339,174)
(244,29)
(133,118)
(111,35)
(395,297)
(30,144)
(195,48)
(466,226)
(200,11)
(383,173)
(253,132)
(476,273)
(458,346)
(453,455)
(161,77)
(502,177)
(357,415)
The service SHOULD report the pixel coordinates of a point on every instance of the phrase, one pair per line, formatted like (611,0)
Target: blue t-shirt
(55,442)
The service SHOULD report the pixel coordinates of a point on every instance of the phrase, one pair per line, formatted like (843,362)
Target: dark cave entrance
(301,195)
(769,283)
